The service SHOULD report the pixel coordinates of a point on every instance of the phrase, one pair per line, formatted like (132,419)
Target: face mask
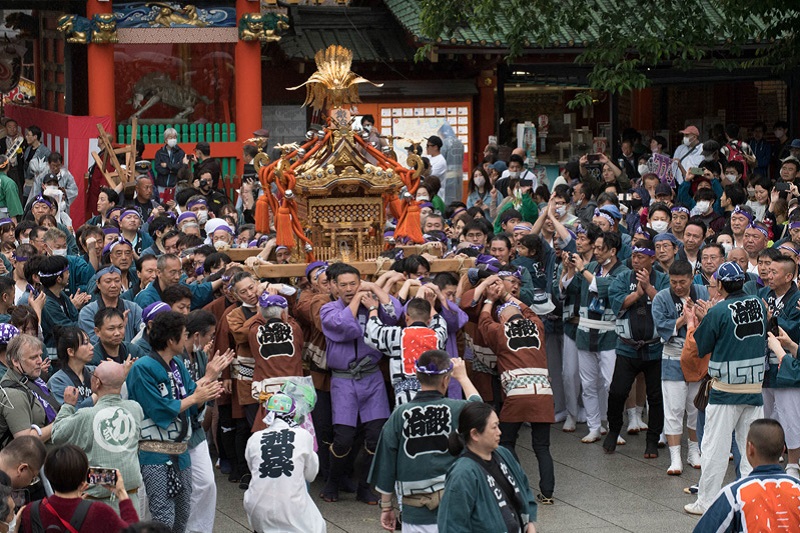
(606,262)
(196,348)
(703,206)
(221,245)
(172,142)
(514,174)
(561,211)
(687,141)
(202,216)
(51,188)
(708,158)
(731,177)
(367,128)
(643,169)
(727,247)
(480,181)
(24,240)
(660,226)
(423,199)
(635,204)
(61,253)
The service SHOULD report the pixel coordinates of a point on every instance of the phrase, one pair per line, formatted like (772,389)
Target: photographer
(207,186)
(598,172)
(204,164)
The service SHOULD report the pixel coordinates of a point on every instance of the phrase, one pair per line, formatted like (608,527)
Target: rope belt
(736,388)
(600,325)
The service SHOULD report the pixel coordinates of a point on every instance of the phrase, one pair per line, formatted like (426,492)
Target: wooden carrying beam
(367,268)
(238,255)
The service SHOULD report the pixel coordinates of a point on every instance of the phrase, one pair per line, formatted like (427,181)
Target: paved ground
(594,492)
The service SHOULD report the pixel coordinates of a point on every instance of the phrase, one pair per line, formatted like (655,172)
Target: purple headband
(115,208)
(794,225)
(789,248)
(272,300)
(186,215)
(580,230)
(4,221)
(645,251)
(680,209)
(16,257)
(7,332)
(760,228)
(740,211)
(431,369)
(198,201)
(42,200)
(54,274)
(281,247)
(603,214)
(154,309)
(313,266)
(225,228)
(108,248)
(507,273)
(426,204)
(111,230)
(523,227)
(130,212)
(504,306)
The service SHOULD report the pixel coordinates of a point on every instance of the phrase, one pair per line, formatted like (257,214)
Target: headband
(320,272)
(458,211)
(504,306)
(272,300)
(111,230)
(316,264)
(794,225)
(681,209)
(645,251)
(4,221)
(580,230)
(788,248)
(431,369)
(115,208)
(507,273)
(760,228)
(279,247)
(523,227)
(108,248)
(42,200)
(16,257)
(198,201)
(603,214)
(154,309)
(225,228)
(185,215)
(130,212)
(425,204)
(7,332)
(110,269)
(53,274)
(740,211)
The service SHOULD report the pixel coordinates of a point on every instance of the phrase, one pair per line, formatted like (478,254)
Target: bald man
(107,432)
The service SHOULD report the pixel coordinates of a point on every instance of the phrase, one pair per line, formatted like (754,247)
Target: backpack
(735,154)
(73,526)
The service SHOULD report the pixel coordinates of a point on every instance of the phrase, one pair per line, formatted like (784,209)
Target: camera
(781,186)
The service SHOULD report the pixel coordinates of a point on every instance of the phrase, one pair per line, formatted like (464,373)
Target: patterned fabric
(168,506)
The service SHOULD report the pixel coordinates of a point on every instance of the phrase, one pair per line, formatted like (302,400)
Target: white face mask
(480,181)
(561,211)
(172,142)
(51,188)
(62,252)
(367,128)
(514,174)
(423,198)
(221,245)
(24,240)
(660,226)
(727,247)
(687,141)
(643,169)
(703,206)
(708,158)
(202,216)
(731,177)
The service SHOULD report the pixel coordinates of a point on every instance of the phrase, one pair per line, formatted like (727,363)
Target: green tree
(622,39)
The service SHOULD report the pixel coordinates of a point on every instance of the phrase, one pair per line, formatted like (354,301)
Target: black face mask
(635,204)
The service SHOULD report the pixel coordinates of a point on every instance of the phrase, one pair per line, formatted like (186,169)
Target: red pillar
(100,58)
(642,112)
(487,82)
(248,81)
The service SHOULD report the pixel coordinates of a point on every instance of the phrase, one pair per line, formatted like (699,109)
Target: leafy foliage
(622,39)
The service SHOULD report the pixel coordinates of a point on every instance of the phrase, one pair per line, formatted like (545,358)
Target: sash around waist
(600,325)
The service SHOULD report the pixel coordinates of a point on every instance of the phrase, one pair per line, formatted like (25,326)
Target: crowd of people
(613,298)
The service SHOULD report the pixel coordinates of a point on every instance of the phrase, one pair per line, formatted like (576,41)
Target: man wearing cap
(434,151)
(358,394)
(638,346)
(689,154)
(669,308)
(276,342)
(108,287)
(517,337)
(595,338)
(607,218)
(418,430)
(734,331)
(666,246)
(10,205)
(107,431)
(781,402)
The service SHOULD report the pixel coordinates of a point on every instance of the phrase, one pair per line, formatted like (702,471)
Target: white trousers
(787,412)
(596,370)
(571,377)
(204,491)
(554,349)
(679,400)
(769,403)
(721,421)
(420,528)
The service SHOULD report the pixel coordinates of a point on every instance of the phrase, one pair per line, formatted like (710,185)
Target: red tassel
(262,215)
(283,227)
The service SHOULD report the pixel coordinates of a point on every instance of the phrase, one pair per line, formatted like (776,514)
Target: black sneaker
(244,483)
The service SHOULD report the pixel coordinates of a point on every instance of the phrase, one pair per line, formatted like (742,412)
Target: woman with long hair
(482,193)
(470,503)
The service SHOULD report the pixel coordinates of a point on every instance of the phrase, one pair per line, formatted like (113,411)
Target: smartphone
(773,326)
(572,258)
(21,497)
(593,158)
(101,476)
(782,186)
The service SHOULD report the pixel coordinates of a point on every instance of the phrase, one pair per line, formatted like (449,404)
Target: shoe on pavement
(694,508)
(693,457)
(544,500)
(592,436)
(691,490)
(244,483)
(569,425)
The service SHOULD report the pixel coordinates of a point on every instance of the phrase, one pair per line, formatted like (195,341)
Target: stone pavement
(594,492)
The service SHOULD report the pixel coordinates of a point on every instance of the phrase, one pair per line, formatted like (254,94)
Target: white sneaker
(592,436)
(694,508)
(620,441)
(693,457)
(569,424)
(675,465)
